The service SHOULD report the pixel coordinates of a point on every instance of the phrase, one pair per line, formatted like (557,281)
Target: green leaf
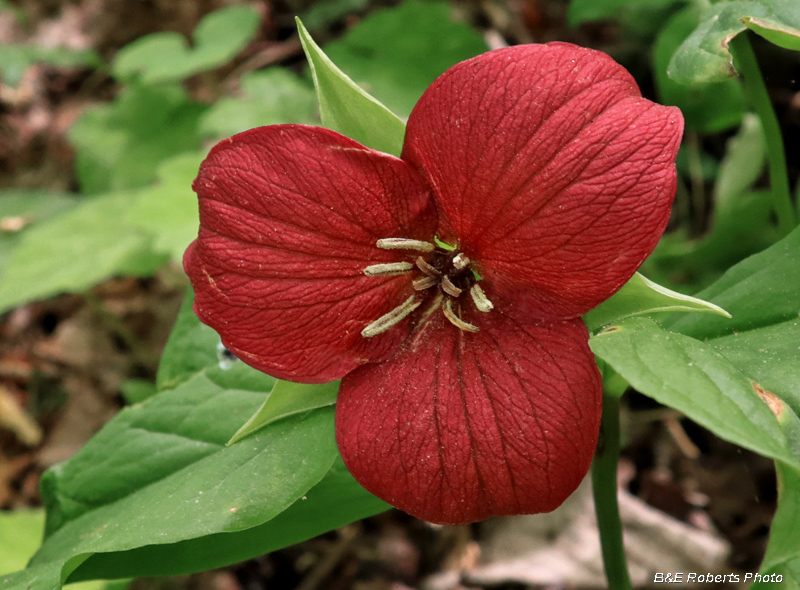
(705,55)
(25,209)
(782,27)
(396,53)
(137,390)
(770,356)
(581,11)
(168,210)
(44,577)
(334,502)
(759,292)
(288,399)
(707,108)
(269,97)
(75,251)
(692,377)
(166,57)
(20,535)
(764,345)
(160,473)
(641,296)
(346,108)
(16,59)
(121,145)
(191,347)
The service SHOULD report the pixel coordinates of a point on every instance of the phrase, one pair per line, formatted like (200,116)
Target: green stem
(756,90)
(604,485)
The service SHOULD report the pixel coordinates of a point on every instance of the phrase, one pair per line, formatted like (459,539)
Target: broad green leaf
(764,344)
(770,356)
(21,210)
(781,27)
(121,145)
(160,473)
(705,55)
(137,390)
(346,108)
(581,11)
(288,399)
(75,251)
(692,377)
(168,209)
(192,346)
(20,535)
(167,57)
(16,59)
(269,97)
(43,577)
(396,53)
(759,292)
(707,108)
(641,296)
(335,501)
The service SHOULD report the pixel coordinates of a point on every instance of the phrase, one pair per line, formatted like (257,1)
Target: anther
(461,261)
(427,268)
(388,270)
(405,244)
(425,282)
(447,308)
(392,318)
(481,300)
(449,288)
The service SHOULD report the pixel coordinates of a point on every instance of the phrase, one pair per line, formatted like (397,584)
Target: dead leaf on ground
(562,547)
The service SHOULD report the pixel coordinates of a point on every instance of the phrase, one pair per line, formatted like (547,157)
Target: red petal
(553,173)
(289,218)
(463,426)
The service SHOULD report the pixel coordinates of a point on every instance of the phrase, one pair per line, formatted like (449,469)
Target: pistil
(448,269)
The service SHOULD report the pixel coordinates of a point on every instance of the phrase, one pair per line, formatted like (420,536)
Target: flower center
(442,270)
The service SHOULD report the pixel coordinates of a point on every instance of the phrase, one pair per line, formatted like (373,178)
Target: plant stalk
(604,486)
(757,94)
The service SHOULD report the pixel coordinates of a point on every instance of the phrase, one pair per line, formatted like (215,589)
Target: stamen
(405,244)
(425,282)
(447,308)
(449,288)
(461,261)
(388,270)
(427,268)
(481,300)
(392,318)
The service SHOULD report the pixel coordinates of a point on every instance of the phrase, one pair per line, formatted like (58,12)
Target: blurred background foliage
(107,108)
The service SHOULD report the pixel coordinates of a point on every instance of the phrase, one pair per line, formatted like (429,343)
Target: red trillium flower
(445,287)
